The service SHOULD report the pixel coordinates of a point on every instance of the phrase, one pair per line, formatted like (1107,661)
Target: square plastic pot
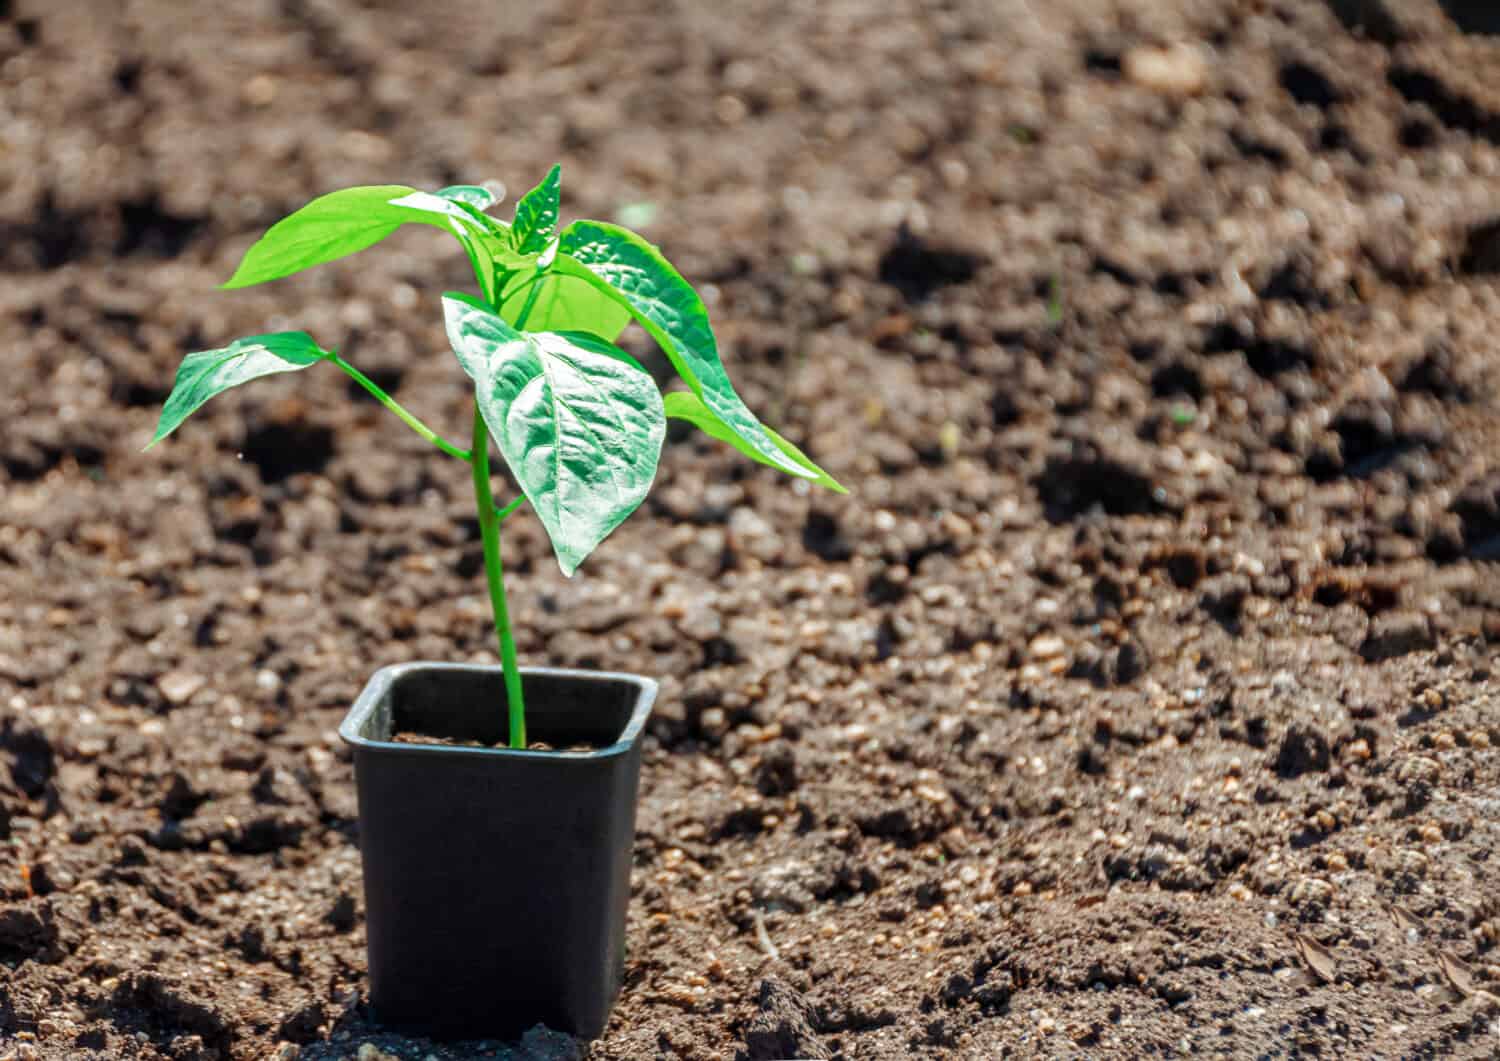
(496,881)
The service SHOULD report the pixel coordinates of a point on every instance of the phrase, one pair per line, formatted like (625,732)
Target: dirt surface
(407,736)
(1140,701)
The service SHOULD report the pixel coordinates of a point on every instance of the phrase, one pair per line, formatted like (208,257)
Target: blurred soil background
(1140,701)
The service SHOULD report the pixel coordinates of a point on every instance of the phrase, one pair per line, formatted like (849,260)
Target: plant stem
(394,406)
(532,292)
(490,519)
(489,530)
(481,273)
(501,514)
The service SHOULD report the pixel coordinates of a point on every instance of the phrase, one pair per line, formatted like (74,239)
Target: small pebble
(1047,646)
(1177,70)
(259,91)
(179,686)
(1419,768)
(1312,890)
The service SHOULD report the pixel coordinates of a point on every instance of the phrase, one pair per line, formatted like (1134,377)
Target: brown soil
(413,737)
(1141,699)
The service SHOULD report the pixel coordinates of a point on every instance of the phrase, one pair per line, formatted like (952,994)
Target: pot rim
(381,681)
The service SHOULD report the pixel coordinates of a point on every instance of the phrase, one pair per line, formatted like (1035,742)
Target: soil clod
(782,1026)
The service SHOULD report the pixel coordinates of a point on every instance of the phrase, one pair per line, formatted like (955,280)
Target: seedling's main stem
(489,531)
(490,519)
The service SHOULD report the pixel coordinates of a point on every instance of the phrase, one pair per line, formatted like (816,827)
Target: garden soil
(1139,700)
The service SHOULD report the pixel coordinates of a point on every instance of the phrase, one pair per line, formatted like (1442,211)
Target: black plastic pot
(496,881)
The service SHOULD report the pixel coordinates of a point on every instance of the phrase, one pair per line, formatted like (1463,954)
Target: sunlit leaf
(472,194)
(688,407)
(484,239)
(209,372)
(563,303)
(617,260)
(578,421)
(536,215)
(341,223)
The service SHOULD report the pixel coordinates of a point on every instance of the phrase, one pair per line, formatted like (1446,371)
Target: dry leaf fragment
(1458,974)
(1319,958)
(1404,919)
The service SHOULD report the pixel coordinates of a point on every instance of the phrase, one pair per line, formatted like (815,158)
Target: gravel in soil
(1140,700)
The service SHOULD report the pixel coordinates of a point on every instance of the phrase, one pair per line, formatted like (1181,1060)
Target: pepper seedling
(578,421)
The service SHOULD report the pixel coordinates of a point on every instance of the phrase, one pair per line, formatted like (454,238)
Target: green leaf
(209,372)
(340,223)
(434,208)
(484,239)
(564,304)
(461,206)
(578,421)
(536,215)
(472,194)
(329,227)
(687,406)
(618,261)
